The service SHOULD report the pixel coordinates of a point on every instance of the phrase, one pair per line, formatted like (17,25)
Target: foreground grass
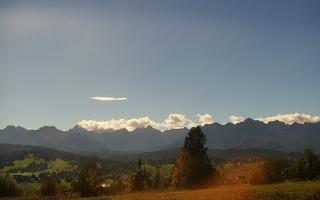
(239,192)
(289,191)
(283,191)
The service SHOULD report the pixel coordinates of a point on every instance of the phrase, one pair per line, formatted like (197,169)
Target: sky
(158,61)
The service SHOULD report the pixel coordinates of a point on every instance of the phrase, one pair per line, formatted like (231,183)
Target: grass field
(289,190)
(231,173)
(283,191)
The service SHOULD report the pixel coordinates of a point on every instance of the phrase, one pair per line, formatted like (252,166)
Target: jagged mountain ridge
(248,134)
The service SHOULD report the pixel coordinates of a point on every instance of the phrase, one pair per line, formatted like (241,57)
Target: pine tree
(138,178)
(193,167)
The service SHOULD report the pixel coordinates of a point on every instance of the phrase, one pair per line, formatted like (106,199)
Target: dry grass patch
(239,192)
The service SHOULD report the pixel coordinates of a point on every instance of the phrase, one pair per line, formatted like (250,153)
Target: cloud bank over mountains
(285,118)
(173,121)
(292,118)
(205,119)
(236,119)
(178,121)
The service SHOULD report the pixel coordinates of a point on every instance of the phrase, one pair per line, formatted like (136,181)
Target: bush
(267,172)
(50,187)
(89,180)
(117,186)
(8,186)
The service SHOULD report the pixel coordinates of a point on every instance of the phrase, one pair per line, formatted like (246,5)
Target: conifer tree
(193,167)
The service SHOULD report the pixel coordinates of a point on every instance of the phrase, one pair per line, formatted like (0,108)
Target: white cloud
(236,119)
(291,118)
(130,125)
(177,121)
(109,98)
(205,119)
(173,121)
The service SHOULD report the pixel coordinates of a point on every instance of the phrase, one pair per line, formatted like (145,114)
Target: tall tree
(89,179)
(141,179)
(193,167)
(157,178)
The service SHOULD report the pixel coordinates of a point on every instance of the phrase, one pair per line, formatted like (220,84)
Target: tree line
(274,171)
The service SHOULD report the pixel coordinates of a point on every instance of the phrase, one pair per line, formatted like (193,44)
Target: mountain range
(247,134)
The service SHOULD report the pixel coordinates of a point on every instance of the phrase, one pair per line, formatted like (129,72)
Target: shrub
(267,172)
(8,186)
(89,180)
(50,187)
(307,168)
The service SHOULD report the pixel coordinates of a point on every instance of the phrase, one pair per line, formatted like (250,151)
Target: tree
(193,167)
(141,179)
(89,180)
(157,178)
(50,187)
(8,186)
(267,172)
(311,164)
(307,168)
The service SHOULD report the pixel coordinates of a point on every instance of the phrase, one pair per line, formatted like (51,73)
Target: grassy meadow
(307,190)
(283,191)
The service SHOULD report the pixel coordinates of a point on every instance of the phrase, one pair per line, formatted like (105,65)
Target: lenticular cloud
(109,98)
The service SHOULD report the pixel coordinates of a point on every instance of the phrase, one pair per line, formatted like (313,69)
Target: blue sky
(245,58)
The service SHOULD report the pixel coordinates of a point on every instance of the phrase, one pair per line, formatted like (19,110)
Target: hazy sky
(229,57)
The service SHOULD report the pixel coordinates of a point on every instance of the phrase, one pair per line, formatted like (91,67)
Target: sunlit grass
(309,190)
(284,191)
(289,190)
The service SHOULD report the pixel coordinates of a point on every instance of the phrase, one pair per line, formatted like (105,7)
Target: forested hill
(170,155)
(9,153)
